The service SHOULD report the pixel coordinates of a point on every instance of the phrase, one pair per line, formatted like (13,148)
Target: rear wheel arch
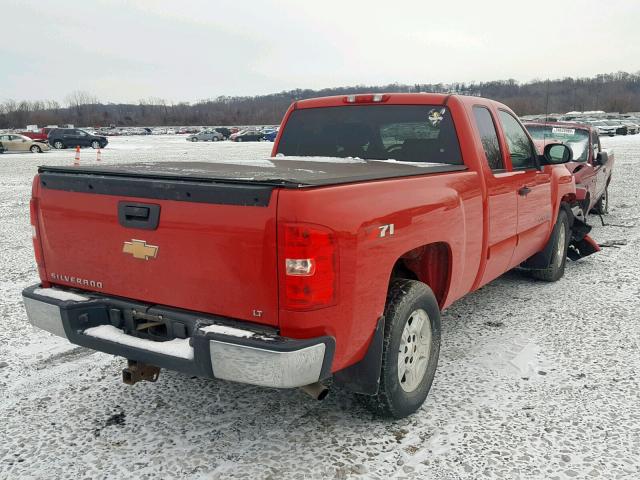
(430,264)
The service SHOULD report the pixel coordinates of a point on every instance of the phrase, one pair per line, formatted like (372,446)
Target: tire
(58,145)
(238,139)
(602,205)
(408,302)
(35,149)
(214,139)
(95,144)
(194,139)
(560,238)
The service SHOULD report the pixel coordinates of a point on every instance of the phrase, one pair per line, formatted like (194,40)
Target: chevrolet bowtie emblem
(140,249)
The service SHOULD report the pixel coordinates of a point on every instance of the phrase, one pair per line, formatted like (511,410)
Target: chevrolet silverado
(332,259)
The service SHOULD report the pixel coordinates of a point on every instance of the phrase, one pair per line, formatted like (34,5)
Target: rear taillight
(37,247)
(308,265)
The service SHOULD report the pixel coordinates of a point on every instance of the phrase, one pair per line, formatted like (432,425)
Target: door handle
(524,191)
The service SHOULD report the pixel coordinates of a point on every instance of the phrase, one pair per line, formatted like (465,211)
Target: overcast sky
(190,50)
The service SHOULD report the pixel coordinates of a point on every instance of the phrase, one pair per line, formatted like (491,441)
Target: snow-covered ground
(535,380)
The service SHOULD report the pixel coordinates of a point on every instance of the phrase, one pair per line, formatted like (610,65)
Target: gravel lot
(535,380)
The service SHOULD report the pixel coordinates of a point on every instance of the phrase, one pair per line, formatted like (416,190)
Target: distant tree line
(615,92)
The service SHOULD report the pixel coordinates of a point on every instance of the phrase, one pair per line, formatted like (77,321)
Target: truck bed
(289,172)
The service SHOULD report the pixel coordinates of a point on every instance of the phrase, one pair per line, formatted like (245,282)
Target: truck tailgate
(213,249)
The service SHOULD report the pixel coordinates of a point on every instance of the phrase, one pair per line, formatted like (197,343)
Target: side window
(489,138)
(520,149)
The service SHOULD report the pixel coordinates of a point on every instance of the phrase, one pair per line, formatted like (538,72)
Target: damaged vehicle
(333,258)
(592,166)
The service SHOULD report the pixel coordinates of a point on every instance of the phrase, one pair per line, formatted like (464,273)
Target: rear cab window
(521,150)
(489,138)
(407,133)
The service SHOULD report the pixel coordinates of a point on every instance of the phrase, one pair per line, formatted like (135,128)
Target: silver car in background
(206,136)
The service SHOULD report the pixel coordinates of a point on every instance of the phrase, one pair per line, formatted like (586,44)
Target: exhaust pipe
(316,390)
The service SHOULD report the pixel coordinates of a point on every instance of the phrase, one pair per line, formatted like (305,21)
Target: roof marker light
(367,98)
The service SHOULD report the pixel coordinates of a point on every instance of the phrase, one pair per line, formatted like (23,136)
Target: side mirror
(555,154)
(602,158)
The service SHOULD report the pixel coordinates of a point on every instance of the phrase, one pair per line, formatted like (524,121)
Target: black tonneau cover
(287,172)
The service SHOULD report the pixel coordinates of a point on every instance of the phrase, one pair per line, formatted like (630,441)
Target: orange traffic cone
(76,161)
(98,156)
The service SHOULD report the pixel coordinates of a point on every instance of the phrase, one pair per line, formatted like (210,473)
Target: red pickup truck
(42,134)
(331,259)
(592,167)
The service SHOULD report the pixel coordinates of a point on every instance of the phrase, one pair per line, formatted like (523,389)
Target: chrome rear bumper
(208,346)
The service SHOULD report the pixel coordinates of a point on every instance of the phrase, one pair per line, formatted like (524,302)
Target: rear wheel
(560,239)
(411,347)
(239,139)
(58,145)
(602,205)
(35,149)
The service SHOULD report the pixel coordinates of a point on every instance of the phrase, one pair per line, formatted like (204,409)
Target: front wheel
(95,144)
(35,149)
(602,205)
(560,239)
(215,139)
(411,347)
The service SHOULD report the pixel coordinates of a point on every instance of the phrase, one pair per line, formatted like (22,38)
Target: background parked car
(620,128)
(19,143)
(206,136)
(269,135)
(226,132)
(246,136)
(632,128)
(41,134)
(72,137)
(604,128)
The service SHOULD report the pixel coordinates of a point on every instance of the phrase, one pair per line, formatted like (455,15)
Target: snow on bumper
(229,352)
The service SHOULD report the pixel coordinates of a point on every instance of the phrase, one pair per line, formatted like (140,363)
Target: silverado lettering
(75,280)
(453,185)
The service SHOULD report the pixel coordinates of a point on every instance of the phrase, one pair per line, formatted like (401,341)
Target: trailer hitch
(138,371)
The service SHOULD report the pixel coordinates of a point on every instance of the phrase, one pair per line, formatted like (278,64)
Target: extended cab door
(533,191)
(502,203)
